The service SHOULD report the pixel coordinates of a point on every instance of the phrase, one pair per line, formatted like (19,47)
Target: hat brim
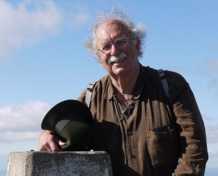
(69,110)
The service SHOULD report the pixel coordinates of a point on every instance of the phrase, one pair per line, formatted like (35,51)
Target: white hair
(137,32)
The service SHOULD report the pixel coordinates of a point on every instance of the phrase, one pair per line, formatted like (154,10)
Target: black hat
(70,120)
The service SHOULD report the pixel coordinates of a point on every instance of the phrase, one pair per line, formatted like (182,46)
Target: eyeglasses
(119,43)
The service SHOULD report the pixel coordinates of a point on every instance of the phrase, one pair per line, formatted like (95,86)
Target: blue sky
(43,59)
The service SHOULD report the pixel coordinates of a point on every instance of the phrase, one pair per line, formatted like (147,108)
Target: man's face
(114,39)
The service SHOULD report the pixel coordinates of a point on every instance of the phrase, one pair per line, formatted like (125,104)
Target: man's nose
(114,50)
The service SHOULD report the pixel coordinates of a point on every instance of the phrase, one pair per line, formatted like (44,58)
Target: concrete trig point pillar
(59,164)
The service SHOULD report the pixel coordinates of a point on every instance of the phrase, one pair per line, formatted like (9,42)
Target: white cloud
(21,122)
(212,65)
(26,23)
(79,19)
(212,72)
(211,125)
(13,136)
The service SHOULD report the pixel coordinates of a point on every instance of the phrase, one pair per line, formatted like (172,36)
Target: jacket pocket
(163,146)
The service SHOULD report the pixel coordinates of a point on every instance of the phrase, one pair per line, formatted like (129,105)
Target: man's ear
(98,57)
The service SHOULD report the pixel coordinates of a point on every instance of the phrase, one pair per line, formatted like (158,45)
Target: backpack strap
(165,86)
(162,76)
(164,83)
(88,94)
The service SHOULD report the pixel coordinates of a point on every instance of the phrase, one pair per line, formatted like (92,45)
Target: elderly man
(146,130)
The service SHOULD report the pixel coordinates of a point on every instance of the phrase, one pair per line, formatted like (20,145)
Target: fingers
(48,142)
(50,147)
(54,146)
(45,148)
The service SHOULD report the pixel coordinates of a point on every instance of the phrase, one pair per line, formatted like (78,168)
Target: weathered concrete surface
(59,164)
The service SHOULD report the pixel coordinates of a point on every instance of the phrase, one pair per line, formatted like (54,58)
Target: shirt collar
(138,90)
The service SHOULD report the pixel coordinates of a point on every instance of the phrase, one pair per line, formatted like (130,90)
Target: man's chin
(118,70)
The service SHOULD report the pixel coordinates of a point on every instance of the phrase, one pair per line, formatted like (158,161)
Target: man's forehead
(106,29)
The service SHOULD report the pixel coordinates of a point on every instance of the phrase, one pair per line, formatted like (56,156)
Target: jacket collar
(109,92)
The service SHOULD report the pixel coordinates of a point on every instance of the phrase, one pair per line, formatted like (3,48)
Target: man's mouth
(117,59)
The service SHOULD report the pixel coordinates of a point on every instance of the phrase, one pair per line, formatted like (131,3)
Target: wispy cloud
(212,68)
(213,85)
(79,19)
(25,23)
(212,65)
(211,125)
(21,122)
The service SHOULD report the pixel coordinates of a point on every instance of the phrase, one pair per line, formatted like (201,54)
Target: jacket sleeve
(194,154)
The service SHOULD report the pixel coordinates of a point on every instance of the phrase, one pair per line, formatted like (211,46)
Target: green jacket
(153,136)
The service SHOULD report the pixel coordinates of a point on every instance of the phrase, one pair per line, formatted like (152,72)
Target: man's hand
(48,142)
